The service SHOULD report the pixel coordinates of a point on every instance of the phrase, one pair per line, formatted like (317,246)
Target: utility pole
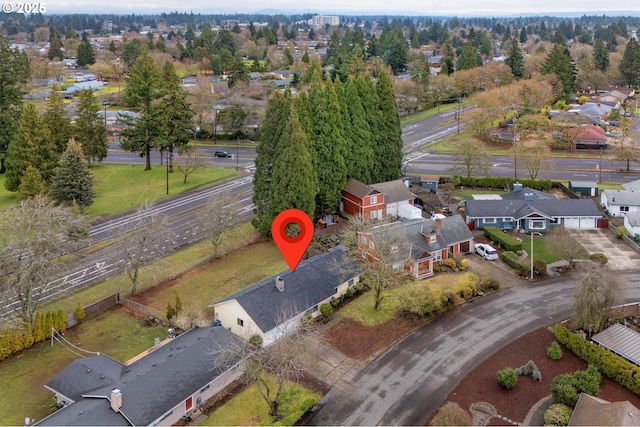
(167,171)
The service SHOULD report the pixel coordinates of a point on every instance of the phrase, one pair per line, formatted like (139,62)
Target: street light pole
(167,171)
(531,256)
(600,168)
(237,152)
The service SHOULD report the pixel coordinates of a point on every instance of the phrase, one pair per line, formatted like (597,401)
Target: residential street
(406,384)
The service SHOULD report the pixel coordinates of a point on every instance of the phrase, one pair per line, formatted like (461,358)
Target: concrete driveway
(621,256)
(407,383)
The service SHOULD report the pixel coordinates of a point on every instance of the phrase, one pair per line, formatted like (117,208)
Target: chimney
(280,283)
(438,222)
(517,187)
(116,400)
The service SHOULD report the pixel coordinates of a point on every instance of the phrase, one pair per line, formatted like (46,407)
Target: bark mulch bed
(481,384)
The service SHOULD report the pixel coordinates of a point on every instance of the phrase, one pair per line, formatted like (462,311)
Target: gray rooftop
(622,197)
(518,209)
(394,191)
(522,194)
(410,235)
(633,218)
(312,282)
(620,340)
(633,185)
(584,184)
(150,386)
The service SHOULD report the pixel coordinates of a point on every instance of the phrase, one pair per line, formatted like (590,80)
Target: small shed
(429,181)
(585,188)
(623,341)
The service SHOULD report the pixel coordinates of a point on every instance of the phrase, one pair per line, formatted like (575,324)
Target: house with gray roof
(620,202)
(415,245)
(276,304)
(375,201)
(632,224)
(532,214)
(158,388)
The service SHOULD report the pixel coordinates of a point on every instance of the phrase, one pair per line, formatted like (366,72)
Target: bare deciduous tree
(599,291)
(274,365)
(218,217)
(32,237)
(560,242)
(147,239)
(536,158)
(188,162)
(471,156)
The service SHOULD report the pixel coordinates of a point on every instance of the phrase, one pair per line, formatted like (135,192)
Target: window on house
(363,239)
(489,220)
(312,309)
(374,199)
(624,208)
(240,322)
(374,214)
(438,255)
(555,220)
(537,224)
(351,282)
(394,249)
(371,245)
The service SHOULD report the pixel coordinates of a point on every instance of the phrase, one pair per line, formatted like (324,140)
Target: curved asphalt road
(406,384)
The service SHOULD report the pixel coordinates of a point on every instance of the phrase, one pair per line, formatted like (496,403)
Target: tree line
(313,142)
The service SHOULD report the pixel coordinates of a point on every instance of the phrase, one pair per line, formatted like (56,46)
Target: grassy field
(248,408)
(172,266)
(122,187)
(541,252)
(427,113)
(361,308)
(22,394)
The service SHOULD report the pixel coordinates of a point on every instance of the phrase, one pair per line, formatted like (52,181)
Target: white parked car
(486,251)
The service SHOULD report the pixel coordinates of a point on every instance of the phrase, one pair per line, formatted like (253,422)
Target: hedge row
(16,340)
(623,372)
(510,258)
(508,242)
(502,183)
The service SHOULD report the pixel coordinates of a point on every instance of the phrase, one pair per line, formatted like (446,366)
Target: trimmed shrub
(623,372)
(540,267)
(463,264)
(326,309)
(599,257)
(450,263)
(621,231)
(510,258)
(566,388)
(530,368)
(466,293)
(557,415)
(79,313)
(500,183)
(508,378)
(508,242)
(554,352)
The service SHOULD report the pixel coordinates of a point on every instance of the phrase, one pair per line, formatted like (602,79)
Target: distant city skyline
(354,7)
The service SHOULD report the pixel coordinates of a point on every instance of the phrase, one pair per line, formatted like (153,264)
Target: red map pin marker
(292,248)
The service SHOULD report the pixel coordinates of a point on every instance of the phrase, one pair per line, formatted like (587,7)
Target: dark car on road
(222,154)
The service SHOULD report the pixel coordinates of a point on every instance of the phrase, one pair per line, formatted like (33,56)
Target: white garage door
(572,222)
(587,223)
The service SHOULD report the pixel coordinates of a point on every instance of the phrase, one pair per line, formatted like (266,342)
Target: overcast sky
(327,7)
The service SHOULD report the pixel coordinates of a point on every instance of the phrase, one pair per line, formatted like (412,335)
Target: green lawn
(540,251)
(427,113)
(22,394)
(122,187)
(248,408)
(361,308)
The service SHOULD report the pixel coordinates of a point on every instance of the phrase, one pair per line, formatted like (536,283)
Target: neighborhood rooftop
(521,208)
(312,281)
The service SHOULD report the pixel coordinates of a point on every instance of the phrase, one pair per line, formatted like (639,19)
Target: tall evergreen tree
(600,56)
(31,146)
(388,153)
(55,45)
(515,59)
(630,65)
(57,120)
(467,60)
(73,181)
(293,184)
(369,100)
(560,63)
(523,35)
(142,89)
(86,55)
(329,144)
(91,131)
(276,113)
(359,153)
(12,75)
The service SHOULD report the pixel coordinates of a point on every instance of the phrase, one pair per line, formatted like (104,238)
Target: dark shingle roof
(394,191)
(150,386)
(313,281)
(410,236)
(358,188)
(520,208)
(522,194)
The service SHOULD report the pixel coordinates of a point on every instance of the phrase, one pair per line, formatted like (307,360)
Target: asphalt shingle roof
(394,191)
(358,188)
(520,208)
(150,386)
(623,197)
(313,281)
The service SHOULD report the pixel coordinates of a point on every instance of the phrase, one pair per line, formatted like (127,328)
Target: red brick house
(362,201)
(375,201)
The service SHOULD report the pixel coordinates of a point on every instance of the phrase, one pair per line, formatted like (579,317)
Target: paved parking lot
(621,256)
